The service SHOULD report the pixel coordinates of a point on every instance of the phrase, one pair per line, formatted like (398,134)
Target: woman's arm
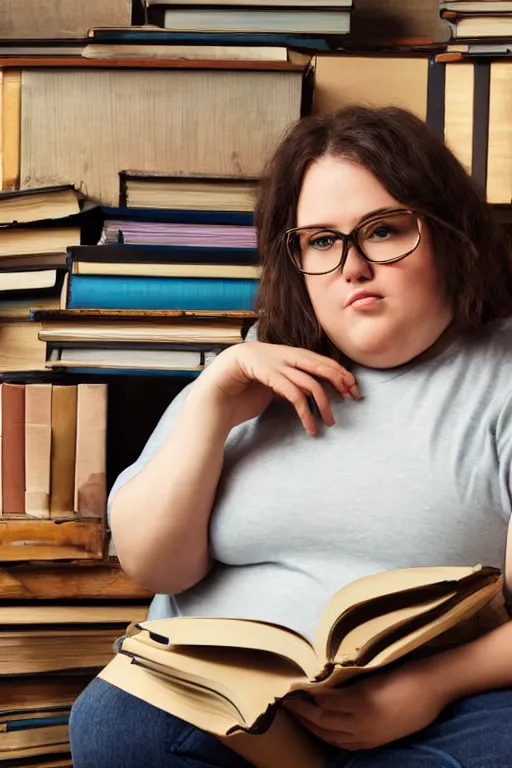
(159,519)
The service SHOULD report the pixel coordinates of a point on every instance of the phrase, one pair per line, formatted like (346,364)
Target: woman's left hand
(374,711)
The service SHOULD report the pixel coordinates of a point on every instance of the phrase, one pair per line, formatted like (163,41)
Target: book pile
(58,624)
(163,294)
(479,26)
(53,442)
(264,30)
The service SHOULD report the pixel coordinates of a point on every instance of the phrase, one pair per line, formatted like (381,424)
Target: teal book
(108,292)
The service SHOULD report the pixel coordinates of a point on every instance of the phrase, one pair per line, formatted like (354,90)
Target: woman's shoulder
(492,342)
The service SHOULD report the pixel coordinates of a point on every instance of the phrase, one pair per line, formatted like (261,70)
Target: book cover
(106,292)
(13,445)
(62,484)
(38,440)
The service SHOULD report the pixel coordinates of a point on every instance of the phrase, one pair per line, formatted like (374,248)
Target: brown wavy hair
(420,172)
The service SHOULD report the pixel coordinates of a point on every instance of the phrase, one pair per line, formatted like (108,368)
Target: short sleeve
(157,439)
(504,450)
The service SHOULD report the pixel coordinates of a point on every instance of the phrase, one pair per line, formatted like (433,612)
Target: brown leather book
(13,449)
(62,477)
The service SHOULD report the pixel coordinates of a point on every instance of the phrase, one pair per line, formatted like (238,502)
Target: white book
(254,21)
(146,359)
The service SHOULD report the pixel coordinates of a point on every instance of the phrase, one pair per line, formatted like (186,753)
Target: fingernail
(354,390)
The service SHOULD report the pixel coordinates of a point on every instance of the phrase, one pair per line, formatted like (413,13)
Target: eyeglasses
(381,238)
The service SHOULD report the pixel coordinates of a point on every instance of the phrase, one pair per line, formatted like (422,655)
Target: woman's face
(411,311)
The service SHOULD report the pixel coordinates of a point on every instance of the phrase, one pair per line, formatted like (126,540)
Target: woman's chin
(376,350)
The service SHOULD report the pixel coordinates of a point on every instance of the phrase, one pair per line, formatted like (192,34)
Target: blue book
(36,722)
(182,374)
(107,292)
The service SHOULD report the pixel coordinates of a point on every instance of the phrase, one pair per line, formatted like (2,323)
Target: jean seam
(453,763)
(173,746)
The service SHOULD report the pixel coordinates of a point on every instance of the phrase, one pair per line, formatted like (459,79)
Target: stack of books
(479,26)
(53,441)
(265,30)
(36,228)
(58,626)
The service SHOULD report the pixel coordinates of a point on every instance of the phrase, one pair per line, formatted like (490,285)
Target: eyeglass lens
(381,240)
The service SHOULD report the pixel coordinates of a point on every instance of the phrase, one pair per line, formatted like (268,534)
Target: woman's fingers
(312,387)
(286,388)
(318,365)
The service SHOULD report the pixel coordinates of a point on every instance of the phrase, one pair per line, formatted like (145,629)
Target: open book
(227,676)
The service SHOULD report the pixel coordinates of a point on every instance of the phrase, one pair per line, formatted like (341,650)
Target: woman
(368,428)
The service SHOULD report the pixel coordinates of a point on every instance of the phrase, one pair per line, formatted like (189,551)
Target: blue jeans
(112,729)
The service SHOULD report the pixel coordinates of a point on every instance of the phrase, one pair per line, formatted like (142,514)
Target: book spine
(13,454)
(10,128)
(38,437)
(92,292)
(235,218)
(62,480)
(169,254)
(1,452)
(91,436)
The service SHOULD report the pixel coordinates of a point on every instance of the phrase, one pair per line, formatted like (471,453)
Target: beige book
(59,140)
(477,6)
(10,128)
(219,271)
(159,191)
(38,443)
(131,331)
(24,281)
(62,479)
(371,80)
(31,741)
(90,498)
(499,158)
(127,359)
(484,26)
(1,449)
(37,205)
(20,349)
(46,19)
(20,615)
(207,52)
(17,242)
(228,676)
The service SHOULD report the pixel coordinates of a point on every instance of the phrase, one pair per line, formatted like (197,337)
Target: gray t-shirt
(416,473)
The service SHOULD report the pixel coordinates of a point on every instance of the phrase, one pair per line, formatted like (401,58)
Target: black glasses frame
(352,239)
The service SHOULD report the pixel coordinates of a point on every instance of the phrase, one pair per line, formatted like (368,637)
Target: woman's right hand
(243,378)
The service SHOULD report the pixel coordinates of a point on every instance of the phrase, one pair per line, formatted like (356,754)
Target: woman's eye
(322,242)
(381,233)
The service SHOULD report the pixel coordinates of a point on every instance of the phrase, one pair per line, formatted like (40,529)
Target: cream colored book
(38,445)
(219,271)
(484,26)
(206,52)
(57,134)
(131,331)
(161,191)
(62,479)
(18,242)
(228,676)
(91,446)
